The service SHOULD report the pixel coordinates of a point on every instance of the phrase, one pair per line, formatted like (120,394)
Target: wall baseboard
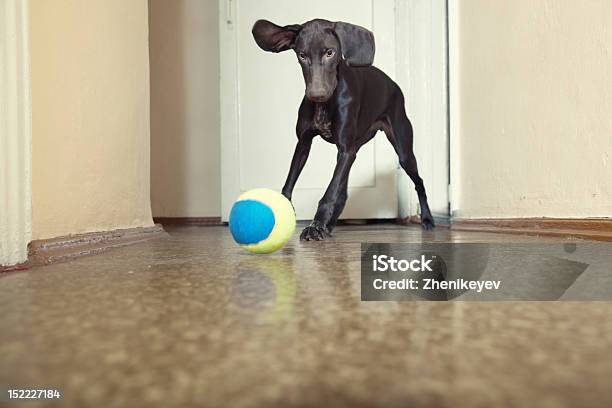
(440,220)
(599,229)
(13,268)
(190,221)
(61,249)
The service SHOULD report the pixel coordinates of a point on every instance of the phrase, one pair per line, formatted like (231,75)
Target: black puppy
(347,101)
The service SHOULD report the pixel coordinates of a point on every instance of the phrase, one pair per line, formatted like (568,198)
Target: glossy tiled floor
(192,320)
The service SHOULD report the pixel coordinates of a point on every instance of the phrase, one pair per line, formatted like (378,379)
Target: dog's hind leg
(399,132)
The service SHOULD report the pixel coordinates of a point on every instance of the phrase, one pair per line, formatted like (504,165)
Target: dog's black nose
(317,93)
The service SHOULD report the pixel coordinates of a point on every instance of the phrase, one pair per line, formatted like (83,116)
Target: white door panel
(261,92)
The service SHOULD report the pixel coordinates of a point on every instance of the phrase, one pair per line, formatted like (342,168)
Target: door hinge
(228,12)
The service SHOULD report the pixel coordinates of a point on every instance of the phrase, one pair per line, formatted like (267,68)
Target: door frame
(454,113)
(228,101)
(15,134)
(432,149)
(422,73)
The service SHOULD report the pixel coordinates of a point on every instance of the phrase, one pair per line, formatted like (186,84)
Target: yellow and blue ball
(262,220)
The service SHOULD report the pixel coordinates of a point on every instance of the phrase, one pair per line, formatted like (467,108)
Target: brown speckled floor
(194,321)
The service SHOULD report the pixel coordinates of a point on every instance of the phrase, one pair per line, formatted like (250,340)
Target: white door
(260,95)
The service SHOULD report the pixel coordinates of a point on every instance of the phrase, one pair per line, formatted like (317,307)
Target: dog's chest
(322,122)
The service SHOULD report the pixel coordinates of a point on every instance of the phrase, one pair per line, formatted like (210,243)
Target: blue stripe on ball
(251,221)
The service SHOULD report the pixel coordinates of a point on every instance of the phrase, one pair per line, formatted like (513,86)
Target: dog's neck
(321,121)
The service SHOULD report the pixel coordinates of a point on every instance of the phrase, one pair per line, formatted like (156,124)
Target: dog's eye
(329,53)
(302,56)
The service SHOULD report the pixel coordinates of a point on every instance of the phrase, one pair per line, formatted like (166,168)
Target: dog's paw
(427,223)
(316,231)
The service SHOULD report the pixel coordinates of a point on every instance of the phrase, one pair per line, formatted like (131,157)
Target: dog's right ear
(273,38)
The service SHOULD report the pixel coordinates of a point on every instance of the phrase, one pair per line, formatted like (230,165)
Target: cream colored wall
(534,108)
(185,145)
(90,94)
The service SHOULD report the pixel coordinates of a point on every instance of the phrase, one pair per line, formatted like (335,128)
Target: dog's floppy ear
(357,43)
(273,38)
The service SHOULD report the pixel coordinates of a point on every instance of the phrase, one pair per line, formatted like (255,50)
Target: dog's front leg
(300,155)
(332,203)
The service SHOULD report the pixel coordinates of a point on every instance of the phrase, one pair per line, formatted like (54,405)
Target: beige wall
(185,146)
(535,108)
(90,95)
